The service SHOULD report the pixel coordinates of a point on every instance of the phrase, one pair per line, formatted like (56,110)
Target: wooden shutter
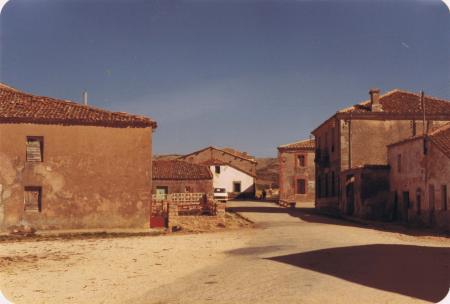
(32,198)
(34,149)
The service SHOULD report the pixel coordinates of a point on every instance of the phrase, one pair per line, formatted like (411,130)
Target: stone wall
(195,222)
(91,177)
(414,182)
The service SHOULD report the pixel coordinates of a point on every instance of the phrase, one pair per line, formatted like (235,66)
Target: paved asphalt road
(299,257)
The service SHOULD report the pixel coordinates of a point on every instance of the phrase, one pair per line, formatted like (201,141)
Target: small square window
(217,169)
(35,148)
(33,199)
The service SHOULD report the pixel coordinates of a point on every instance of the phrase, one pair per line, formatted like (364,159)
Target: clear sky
(242,73)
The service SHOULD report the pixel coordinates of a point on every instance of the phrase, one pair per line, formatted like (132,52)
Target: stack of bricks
(220,212)
(172,213)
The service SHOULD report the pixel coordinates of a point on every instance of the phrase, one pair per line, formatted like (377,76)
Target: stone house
(65,165)
(233,170)
(420,178)
(297,171)
(176,176)
(358,136)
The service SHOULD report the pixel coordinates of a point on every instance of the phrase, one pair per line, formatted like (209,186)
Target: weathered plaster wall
(290,171)
(415,166)
(90,176)
(228,175)
(179,186)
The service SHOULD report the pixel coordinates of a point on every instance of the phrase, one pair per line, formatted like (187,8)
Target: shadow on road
(415,271)
(311,215)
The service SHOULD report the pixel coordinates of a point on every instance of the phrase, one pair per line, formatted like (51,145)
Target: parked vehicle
(220,194)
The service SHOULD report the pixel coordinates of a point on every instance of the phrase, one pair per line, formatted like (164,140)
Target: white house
(233,170)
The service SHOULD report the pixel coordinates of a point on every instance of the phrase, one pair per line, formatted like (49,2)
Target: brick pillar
(172,213)
(220,211)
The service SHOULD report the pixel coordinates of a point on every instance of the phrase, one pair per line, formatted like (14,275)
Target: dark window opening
(35,148)
(236,186)
(217,168)
(301,161)
(33,198)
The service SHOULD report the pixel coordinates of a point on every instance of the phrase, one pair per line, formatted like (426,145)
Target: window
(236,186)
(301,160)
(35,148)
(32,199)
(301,186)
(188,189)
(399,163)
(217,168)
(444,197)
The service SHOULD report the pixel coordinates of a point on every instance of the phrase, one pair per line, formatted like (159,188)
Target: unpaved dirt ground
(291,257)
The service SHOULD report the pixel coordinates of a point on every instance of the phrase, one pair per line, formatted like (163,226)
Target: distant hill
(267,172)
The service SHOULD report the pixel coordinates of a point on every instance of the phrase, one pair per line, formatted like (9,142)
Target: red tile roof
(307,144)
(179,170)
(20,107)
(403,102)
(441,138)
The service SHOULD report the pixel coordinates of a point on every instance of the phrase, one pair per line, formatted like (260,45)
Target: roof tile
(20,107)
(179,170)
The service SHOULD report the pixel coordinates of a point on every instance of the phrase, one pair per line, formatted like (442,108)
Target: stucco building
(297,171)
(358,136)
(176,176)
(420,178)
(233,170)
(67,165)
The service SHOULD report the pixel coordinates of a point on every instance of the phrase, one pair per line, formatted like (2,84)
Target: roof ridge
(295,142)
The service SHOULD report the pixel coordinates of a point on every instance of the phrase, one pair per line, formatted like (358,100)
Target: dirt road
(291,257)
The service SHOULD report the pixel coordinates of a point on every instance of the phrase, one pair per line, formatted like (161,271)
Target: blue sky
(242,73)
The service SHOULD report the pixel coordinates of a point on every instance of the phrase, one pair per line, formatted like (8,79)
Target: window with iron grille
(33,198)
(35,148)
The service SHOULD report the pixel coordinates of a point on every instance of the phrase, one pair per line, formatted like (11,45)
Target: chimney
(85,98)
(375,105)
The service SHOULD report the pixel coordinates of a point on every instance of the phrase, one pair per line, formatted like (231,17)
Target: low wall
(195,222)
